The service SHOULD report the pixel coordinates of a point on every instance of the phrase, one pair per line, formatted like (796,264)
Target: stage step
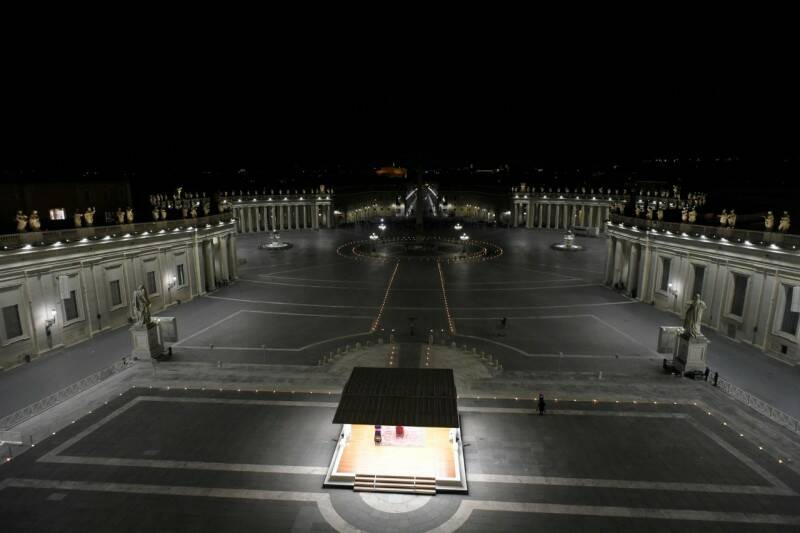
(401,484)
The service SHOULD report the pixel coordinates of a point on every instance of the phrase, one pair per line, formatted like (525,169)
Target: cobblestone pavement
(623,446)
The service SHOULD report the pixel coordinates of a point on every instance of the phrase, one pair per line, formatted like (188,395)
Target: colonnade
(560,214)
(217,261)
(282,216)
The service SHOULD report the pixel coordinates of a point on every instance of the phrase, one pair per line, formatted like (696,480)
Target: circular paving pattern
(427,248)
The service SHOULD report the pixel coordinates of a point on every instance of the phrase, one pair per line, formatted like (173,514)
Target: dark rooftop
(399,397)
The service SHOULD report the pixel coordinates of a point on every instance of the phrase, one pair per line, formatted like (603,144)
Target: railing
(759,405)
(18,417)
(742,236)
(15,240)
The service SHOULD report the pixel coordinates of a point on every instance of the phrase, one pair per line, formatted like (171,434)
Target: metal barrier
(757,404)
(36,408)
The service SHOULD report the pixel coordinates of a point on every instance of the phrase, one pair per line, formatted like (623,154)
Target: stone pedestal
(145,340)
(668,338)
(691,352)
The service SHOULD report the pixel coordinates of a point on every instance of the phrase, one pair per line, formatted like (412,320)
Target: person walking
(502,328)
(542,404)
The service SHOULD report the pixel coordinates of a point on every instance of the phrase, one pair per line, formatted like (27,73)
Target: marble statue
(692,216)
(185,212)
(163,214)
(694,314)
(723,217)
(684,215)
(732,218)
(784,223)
(140,307)
(34,222)
(660,214)
(638,211)
(129,214)
(88,216)
(120,216)
(155,213)
(649,213)
(77,219)
(22,221)
(193,212)
(769,221)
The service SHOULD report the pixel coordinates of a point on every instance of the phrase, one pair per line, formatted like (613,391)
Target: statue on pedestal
(193,212)
(660,214)
(732,218)
(155,213)
(34,222)
(120,216)
(684,215)
(140,307)
(22,221)
(163,214)
(129,214)
(723,217)
(185,212)
(769,221)
(782,226)
(77,219)
(694,314)
(692,216)
(88,216)
(649,213)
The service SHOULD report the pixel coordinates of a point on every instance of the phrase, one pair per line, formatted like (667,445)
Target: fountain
(568,243)
(276,243)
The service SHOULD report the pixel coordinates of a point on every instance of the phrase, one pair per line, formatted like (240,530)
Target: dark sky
(289,100)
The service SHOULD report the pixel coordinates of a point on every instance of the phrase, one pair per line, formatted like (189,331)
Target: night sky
(280,104)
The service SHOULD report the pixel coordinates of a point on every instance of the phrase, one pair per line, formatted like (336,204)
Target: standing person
(542,404)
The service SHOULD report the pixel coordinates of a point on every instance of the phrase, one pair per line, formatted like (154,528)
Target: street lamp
(373,238)
(458,227)
(464,238)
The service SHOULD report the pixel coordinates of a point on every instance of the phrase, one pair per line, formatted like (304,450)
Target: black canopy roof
(399,397)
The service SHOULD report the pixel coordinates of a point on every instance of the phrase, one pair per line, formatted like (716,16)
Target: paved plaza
(244,461)
(163,448)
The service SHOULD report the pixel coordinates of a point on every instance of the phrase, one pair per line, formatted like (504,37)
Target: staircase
(401,484)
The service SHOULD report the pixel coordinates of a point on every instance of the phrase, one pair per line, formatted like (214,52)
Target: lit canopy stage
(400,432)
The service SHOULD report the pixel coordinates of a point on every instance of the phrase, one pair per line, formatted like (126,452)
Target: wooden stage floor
(433,457)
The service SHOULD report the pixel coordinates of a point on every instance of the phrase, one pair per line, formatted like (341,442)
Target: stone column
(223,257)
(280,217)
(566,216)
(633,270)
(514,214)
(610,242)
(539,212)
(618,258)
(329,211)
(314,217)
(208,257)
(233,263)
(304,209)
(547,222)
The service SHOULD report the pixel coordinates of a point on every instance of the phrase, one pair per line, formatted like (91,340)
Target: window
(151,282)
(789,318)
(11,321)
(71,307)
(699,278)
(739,294)
(665,263)
(181,276)
(57,214)
(116,293)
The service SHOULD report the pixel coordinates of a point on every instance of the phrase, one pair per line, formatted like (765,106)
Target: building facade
(750,281)
(63,291)
(558,210)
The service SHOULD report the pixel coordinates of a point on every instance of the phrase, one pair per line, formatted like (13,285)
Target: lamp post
(464,238)
(373,238)
(458,227)
(382,227)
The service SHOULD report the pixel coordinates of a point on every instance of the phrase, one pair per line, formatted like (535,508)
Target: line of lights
(450,324)
(107,238)
(377,320)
